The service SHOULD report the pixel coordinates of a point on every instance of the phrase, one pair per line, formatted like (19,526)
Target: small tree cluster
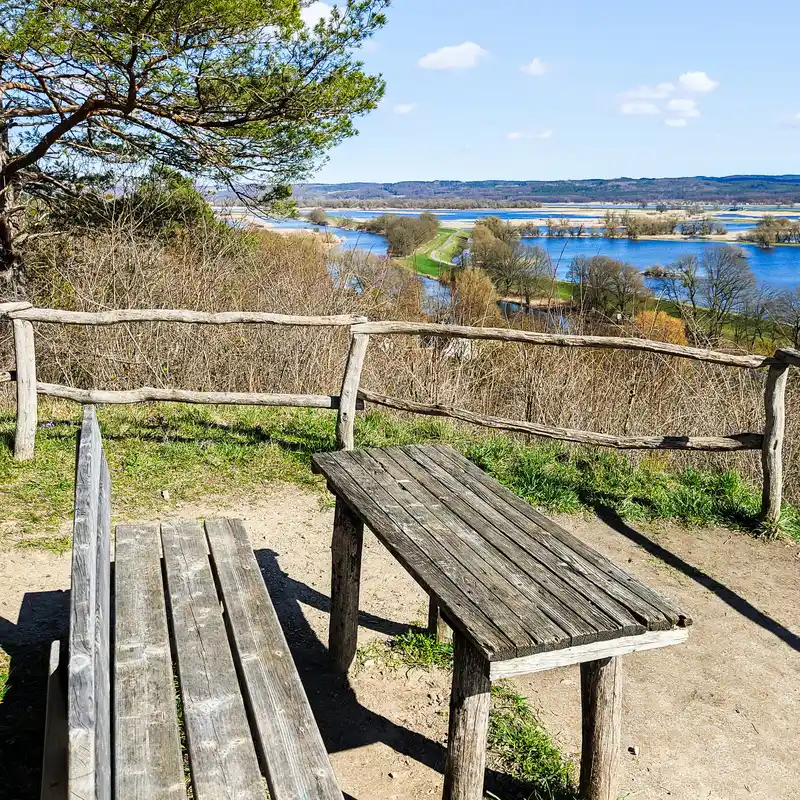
(318,216)
(773,230)
(404,234)
(607,286)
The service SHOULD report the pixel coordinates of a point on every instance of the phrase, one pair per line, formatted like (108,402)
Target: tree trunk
(10,262)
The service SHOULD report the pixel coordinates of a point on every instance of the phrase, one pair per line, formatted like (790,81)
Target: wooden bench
(521,594)
(204,607)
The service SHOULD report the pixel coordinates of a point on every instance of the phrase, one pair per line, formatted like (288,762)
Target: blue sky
(611,89)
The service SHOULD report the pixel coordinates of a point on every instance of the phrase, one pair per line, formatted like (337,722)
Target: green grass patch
(227,452)
(519,746)
(5,665)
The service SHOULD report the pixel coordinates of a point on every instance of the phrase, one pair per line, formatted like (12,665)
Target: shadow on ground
(738,603)
(43,617)
(344,723)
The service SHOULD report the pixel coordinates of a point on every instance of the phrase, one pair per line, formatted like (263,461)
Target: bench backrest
(89,688)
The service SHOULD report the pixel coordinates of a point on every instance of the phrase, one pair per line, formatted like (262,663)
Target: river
(778,268)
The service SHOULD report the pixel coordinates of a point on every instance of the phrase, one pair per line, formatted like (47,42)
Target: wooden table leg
(348,538)
(469,723)
(437,627)
(601,697)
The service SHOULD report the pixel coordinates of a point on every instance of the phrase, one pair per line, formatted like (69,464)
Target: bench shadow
(43,617)
(344,723)
(738,603)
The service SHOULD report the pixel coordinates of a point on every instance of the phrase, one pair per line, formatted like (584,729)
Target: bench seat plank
(222,757)
(291,747)
(87,709)
(148,761)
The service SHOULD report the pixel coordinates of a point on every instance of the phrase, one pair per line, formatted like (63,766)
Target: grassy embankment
(223,452)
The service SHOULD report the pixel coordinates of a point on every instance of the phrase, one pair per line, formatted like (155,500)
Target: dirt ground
(716,719)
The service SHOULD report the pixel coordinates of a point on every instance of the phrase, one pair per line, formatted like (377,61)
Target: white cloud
(515,136)
(312,14)
(404,108)
(658,92)
(462,56)
(536,68)
(684,108)
(697,82)
(676,123)
(640,109)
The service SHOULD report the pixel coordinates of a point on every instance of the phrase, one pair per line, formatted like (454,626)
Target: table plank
(287,736)
(222,756)
(474,544)
(658,612)
(517,614)
(148,761)
(407,541)
(608,615)
(583,621)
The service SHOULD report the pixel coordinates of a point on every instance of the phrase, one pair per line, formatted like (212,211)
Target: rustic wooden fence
(352,396)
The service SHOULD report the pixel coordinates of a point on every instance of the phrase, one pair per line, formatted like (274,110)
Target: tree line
(772,230)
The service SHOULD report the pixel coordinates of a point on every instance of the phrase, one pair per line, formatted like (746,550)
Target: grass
(5,664)
(444,245)
(226,452)
(519,746)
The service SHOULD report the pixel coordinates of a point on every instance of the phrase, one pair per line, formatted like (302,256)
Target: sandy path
(716,719)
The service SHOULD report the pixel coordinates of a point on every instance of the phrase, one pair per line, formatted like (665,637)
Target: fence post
(348,397)
(772,451)
(25,352)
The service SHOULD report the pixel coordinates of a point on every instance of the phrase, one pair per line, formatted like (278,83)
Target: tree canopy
(238,92)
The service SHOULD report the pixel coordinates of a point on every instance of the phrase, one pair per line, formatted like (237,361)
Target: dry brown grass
(612,392)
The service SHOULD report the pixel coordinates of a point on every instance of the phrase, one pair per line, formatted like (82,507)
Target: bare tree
(709,290)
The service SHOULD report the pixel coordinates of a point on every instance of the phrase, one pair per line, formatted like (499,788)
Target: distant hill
(733,189)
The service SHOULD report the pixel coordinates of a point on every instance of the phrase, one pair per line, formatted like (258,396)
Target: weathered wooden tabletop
(510,580)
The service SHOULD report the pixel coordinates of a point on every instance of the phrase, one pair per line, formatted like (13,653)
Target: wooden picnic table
(521,594)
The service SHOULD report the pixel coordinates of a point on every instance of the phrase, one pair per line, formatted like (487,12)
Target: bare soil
(716,719)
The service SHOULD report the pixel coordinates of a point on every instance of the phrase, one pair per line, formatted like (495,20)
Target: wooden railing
(352,396)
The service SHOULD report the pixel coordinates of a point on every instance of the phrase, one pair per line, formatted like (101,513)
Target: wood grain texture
(119,316)
(345,421)
(741,441)
(514,583)
(416,549)
(540,662)
(82,682)
(561,340)
(25,354)
(287,737)
(470,701)
(17,305)
(149,394)
(601,699)
(147,753)
(533,594)
(535,562)
(223,759)
(653,610)
(772,452)
(437,627)
(346,549)
(521,618)
(102,634)
(54,760)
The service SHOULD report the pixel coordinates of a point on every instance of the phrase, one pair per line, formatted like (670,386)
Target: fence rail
(352,396)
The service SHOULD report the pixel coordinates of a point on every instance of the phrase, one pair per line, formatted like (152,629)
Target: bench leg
(601,698)
(469,723)
(348,537)
(437,627)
